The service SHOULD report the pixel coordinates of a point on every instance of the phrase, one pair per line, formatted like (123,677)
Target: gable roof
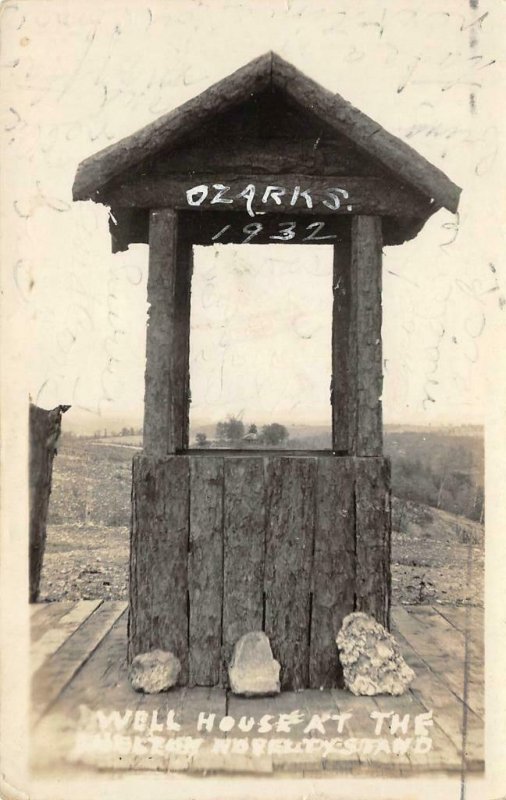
(267,71)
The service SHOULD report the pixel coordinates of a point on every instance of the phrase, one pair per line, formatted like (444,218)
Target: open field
(437,557)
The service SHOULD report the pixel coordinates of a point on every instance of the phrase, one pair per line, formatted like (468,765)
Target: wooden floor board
(323,703)
(460,646)
(57,671)
(462,617)
(434,694)
(38,611)
(468,621)
(360,724)
(43,616)
(449,666)
(104,675)
(453,641)
(60,631)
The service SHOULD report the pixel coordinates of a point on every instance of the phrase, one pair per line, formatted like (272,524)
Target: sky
(82,76)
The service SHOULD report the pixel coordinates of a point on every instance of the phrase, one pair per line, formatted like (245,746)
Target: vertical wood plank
(343,365)
(290,512)
(366,262)
(333,568)
(244,543)
(158,557)
(167,340)
(205,569)
(373,526)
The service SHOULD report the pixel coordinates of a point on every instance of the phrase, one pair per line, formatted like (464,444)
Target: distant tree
(232,430)
(221,433)
(274,434)
(253,429)
(201,439)
(124,431)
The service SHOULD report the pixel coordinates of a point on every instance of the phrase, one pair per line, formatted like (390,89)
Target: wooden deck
(78,668)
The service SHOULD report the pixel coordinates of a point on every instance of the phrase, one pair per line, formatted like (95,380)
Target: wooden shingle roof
(258,76)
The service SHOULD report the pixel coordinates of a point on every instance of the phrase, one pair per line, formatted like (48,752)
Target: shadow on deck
(79,668)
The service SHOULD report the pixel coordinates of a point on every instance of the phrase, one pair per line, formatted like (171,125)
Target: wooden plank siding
(244,550)
(372,544)
(290,510)
(159,557)
(226,544)
(205,570)
(232,146)
(333,577)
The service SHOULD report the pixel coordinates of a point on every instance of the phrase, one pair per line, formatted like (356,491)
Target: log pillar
(343,368)
(357,377)
(166,402)
(365,352)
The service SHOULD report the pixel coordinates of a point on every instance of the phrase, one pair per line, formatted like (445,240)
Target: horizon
(88,422)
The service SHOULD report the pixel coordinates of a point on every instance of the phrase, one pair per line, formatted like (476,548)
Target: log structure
(224,543)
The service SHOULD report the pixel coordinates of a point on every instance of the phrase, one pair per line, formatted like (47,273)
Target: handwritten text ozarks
(331,197)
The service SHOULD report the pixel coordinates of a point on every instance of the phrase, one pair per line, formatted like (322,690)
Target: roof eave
(366,134)
(97,170)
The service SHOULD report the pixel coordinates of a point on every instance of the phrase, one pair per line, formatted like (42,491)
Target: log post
(167,345)
(343,368)
(365,352)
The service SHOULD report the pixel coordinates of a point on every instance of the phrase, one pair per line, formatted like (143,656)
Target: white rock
(253,670)
(371,659)
(154,672)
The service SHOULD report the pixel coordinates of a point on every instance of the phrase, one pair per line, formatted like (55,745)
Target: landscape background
(437,510)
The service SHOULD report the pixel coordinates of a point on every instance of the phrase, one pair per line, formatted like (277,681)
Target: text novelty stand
(225,543)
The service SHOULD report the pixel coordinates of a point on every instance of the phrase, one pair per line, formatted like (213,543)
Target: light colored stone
(371,659)
(154,672)
(253,670)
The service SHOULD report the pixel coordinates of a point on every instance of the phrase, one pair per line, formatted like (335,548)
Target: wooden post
(365,353)
(343,369)
(167,344)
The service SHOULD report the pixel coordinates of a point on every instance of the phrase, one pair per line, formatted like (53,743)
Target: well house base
(223,544)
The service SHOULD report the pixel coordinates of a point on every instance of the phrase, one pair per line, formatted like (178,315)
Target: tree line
(233,430)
